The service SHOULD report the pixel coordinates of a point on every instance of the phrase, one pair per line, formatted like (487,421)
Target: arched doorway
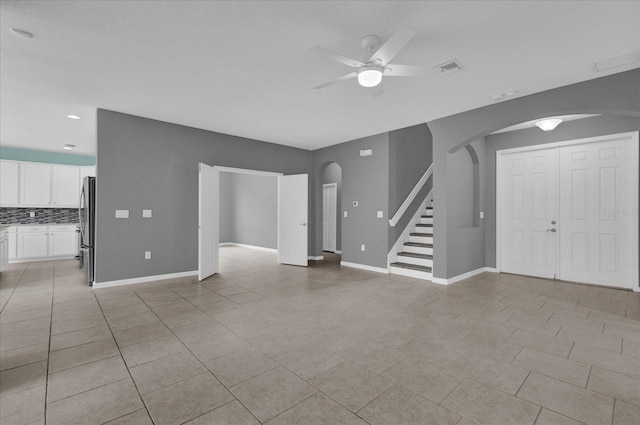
(331,179)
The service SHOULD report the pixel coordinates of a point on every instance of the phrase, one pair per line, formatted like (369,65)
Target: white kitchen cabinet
(4,249)
(65,186)
(35,184)
(32,242)
(9,183)
(63,241)
(13,243)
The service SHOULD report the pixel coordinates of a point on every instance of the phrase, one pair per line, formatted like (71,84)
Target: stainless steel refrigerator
(88,227)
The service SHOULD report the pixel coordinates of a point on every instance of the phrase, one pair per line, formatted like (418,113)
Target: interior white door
(329,216)
(208,223)
(292,219)
(529,208)
(599,212)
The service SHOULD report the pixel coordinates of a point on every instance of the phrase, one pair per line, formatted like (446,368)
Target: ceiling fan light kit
(370,76)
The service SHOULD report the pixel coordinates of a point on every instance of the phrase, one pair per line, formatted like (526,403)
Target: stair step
(412,267)
(415,255)
(424,225)
(424,235)
(420,245)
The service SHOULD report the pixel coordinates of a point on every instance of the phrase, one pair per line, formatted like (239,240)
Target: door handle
(551,230)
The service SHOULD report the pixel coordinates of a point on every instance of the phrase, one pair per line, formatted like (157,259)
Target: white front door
(529,239)
(292,219)
(208,231)
(329,216)
(571,212)
(599,212)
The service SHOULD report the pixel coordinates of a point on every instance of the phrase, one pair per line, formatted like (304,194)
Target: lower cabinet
(44,242)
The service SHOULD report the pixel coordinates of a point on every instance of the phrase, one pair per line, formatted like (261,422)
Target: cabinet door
(32,245)
(35,184)
(66,186)
(63,244)
(13,245)
(9,187)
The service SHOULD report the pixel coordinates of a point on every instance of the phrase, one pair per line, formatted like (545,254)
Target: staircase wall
(410,155)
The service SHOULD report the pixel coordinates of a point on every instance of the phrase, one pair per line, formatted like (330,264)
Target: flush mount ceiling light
(370,76)
(73,117)
(548,124)
(68,147)
(21,33)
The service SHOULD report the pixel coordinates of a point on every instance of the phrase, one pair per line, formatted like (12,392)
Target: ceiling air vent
(448,67)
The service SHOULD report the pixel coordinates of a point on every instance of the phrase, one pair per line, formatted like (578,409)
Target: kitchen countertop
(6,226)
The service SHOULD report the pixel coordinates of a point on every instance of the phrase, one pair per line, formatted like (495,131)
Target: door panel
(598,212)
(208,231)
(528,208)
(292,219)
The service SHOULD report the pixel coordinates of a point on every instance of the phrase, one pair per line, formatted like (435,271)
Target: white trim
(316,258)
(364,267)
(595,139)
(338,251)
(412,195)
(257,248)
(143,279)
(463,276)
(245,171)
(404,236)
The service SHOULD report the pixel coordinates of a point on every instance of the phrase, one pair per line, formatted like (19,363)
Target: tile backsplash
(42,215)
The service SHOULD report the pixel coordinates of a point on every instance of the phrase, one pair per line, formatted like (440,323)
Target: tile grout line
(46,391)
(14,289)
(122,358)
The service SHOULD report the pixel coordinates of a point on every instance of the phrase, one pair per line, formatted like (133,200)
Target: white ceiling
(245,68)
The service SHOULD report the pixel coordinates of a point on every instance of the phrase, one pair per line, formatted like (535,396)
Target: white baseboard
(364,267)
(257,248)
(463,276)
(143,279)
(316,258)
(410,273)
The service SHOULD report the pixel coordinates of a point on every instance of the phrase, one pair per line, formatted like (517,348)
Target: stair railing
(412,195)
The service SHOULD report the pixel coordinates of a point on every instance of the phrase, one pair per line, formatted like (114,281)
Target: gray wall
(364,179)
(410,155)
(333,174)
(249,209)
(579,129)
(149,164)
(617,94)
(466,240)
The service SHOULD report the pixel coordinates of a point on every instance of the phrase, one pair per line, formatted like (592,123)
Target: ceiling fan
(370,72)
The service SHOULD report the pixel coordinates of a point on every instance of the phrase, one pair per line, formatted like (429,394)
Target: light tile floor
(265,343)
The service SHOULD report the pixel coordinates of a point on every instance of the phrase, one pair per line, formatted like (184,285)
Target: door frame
(335,235)
(633,135)
(220,169)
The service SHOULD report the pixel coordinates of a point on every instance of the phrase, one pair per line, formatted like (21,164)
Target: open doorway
(250,208)
(331,207)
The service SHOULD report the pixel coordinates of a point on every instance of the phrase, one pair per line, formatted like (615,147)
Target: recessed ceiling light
(21,33)
(68,147)
(73,117)
(548,124)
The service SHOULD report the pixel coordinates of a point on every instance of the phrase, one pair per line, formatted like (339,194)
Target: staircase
(415,258)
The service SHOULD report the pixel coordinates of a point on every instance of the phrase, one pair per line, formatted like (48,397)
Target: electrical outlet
(362,247)
(481,214)
(346,214)
(122,213)
(147,255)
(146,213)
(380,214)
(32,214)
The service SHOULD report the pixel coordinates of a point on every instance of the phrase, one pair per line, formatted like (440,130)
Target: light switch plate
(380,214)
(146,213)
(147,255)
(362,247)
(481,214)
(122,213)
(346,214)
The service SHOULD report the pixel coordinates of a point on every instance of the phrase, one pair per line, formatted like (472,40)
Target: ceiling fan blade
(338,80)
(354,63)
(392,70)
(392,47)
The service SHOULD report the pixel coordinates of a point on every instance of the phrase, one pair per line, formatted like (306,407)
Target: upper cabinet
(35,184)
(28,184)
(9,188)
